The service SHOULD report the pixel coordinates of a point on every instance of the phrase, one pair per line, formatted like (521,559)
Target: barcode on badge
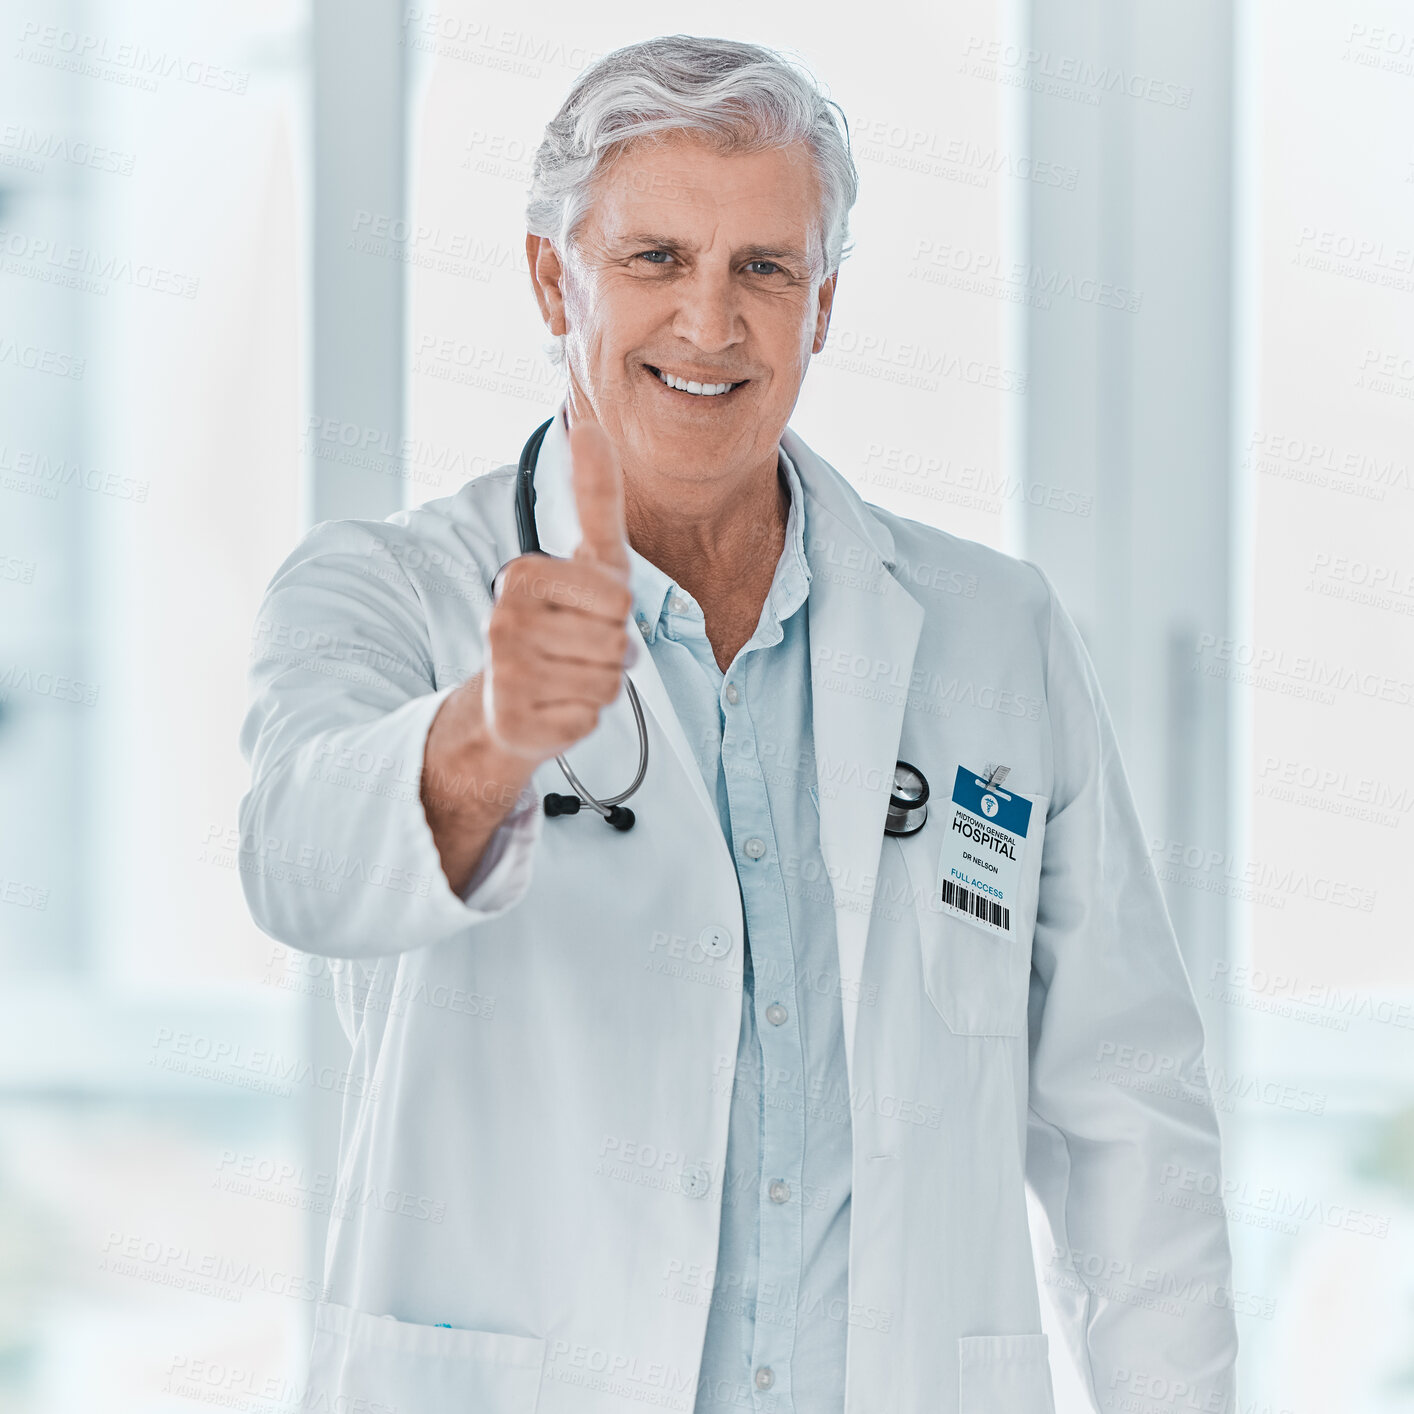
(979,906)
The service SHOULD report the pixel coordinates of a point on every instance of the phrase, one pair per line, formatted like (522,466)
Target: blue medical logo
(1003,809)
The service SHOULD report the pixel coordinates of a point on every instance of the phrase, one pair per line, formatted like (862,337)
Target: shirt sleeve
(1142,1283)
(503,875)
(336,855)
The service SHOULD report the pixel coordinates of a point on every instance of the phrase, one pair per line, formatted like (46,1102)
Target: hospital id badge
(980,871)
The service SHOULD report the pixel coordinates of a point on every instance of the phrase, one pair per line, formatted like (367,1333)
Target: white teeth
(706,390)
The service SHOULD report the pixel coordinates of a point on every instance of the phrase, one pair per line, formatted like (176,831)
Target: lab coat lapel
(656,703)
(858,614)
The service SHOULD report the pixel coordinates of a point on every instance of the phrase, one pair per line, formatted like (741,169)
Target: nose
(708,314)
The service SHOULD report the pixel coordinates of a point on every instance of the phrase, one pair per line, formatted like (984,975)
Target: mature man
(735,1107)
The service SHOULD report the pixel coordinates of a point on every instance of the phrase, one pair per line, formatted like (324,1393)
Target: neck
(725,558)
(704,535)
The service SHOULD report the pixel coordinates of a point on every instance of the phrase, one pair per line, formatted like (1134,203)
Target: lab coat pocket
(376,1363)
(972,978)
(977,978)
(1004,1374)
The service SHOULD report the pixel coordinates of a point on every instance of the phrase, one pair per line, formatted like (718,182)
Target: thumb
(598,497)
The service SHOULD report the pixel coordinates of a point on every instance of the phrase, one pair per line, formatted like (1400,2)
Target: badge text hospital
(981,865)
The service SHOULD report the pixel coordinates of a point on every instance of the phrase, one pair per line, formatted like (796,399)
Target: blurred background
(1132,295)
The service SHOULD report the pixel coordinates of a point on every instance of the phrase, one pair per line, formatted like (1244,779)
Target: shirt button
(694,1180)
(677,603)
(715,941)
(643,625)
(780,1192)
(765,1377)
(776,1014)
(754,848)
(733,696)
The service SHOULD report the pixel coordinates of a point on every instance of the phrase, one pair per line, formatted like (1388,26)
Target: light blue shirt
(777,1324)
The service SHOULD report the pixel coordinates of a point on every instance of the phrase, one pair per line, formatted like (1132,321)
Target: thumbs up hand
(557,639)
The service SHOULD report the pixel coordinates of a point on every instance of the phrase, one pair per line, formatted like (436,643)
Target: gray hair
(738,97)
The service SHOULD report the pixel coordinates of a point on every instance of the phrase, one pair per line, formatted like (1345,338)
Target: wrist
(467,772)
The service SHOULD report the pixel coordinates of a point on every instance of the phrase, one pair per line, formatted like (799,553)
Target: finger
(598,497)
(548,731)
(593,685)
(577,638)
(570,586)
(558,728)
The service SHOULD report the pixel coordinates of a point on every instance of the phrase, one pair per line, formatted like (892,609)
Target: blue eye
(647,253)
(771,263)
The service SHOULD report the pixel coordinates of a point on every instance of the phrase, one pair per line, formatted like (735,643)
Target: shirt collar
(653,590)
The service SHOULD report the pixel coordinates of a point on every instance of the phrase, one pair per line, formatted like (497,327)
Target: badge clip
(995,776)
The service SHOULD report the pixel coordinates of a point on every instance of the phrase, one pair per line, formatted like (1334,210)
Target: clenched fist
(557,637)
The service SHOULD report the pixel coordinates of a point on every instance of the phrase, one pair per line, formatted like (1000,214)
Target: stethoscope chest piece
(908,801)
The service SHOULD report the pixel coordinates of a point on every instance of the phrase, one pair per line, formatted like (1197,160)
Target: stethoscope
(908,800)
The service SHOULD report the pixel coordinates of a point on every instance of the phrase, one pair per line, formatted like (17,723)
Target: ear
(546,278)
(822,316)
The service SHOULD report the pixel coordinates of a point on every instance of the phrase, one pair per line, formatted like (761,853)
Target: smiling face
(701,267)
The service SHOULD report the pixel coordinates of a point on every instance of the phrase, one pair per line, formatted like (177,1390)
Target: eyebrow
(750,252)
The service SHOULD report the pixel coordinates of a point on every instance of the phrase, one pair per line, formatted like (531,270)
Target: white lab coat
(535,1121)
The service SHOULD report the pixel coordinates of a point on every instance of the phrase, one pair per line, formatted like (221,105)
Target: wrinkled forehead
(689,190)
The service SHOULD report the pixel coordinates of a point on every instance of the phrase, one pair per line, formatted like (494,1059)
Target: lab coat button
(765,1377)
(715,941)
(694,1180)
(780,1192)
(776,1014)
(754,848)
